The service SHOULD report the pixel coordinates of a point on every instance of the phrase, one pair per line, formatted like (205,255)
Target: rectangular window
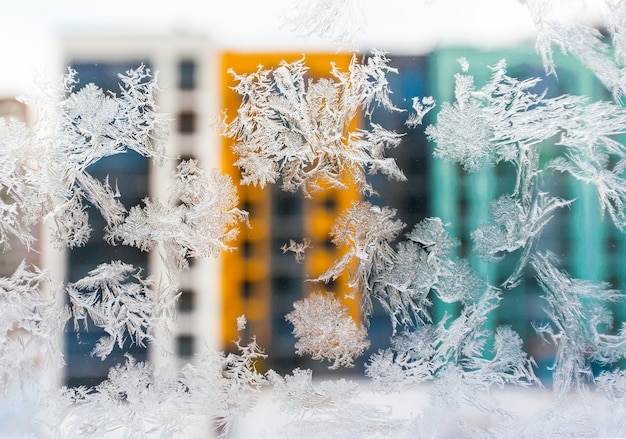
(186,122)
(184,346)
(187,75)
(185,301)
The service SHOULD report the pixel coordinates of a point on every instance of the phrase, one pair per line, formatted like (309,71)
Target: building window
(286,285)
(186,122)
(246,289)
(185,301)
(184,346)
(187,75)
(285,204)
(245,249)
(330,203)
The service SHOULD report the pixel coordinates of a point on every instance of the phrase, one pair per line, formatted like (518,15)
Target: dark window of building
(330,286)
(187,75)
(185,301)
(285,203)
(329,245)
(105,74)
(186,122)
(245,249)
(286,285)
(184,346)
(246,289)
(330,204)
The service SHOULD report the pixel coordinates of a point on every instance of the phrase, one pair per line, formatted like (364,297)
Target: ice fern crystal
(201,225)
(326,331)
(120,301)
(304,131)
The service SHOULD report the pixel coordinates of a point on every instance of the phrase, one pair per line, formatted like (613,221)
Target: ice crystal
(306,133)
(225,386)
(19,183)
(45,170)
(578,312)
(516,224)
(125,305)
(453,350)
(504,121)
(303,131)
(424,264)
(300,397)
(613,384)
(594,155)
(583,41)
(421,107)
(139,401)
(332,409)
(298,248)
(30,324)
(367,231)
(326,331)
(507,122)
(242,322)
(202,224)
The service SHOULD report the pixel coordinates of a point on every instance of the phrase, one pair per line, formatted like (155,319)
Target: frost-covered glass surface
(300,133)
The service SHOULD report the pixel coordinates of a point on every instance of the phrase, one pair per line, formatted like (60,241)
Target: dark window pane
(184,346)
(187,72)
(185,301)
(287,204)
(330,204)
(287,285)
(245,249)
(246,289)
(186,122)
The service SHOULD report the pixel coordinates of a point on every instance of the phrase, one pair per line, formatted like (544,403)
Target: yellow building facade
(255,275)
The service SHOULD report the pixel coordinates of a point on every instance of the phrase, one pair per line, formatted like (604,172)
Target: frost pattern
(367,231)
(200,226)
(302,130)
(578,310)
(120,301)
(332,409)
(326,331)
(583,41)
(341,21)
(44,170)
(506,122)
(139,401)
(30,324)
(430,351)
(421,107)
(44,176)
(298,248)
(401,279)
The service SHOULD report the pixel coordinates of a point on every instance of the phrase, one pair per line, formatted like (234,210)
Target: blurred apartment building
(258,279)
(588,246)
(186,68)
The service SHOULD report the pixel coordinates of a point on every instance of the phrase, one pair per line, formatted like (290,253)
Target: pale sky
(30,30)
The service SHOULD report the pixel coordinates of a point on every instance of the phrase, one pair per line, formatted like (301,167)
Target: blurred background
(191,45)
